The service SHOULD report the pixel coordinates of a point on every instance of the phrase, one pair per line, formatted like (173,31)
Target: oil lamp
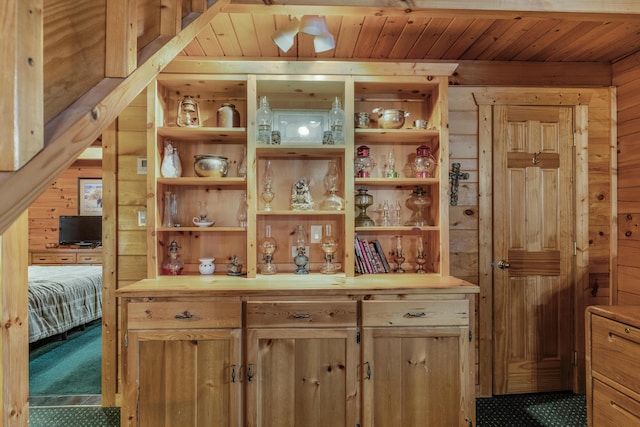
(363,163)
(268,246)
(420,259)
(362,201)
(418,202)
(188,112)
(391,166)
(267,194)
(332,202)
(424,164)
(329,245)
(173,266)
(398,256)
(301,259)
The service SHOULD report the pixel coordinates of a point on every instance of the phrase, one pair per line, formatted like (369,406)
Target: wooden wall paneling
(21,79)
(14,336)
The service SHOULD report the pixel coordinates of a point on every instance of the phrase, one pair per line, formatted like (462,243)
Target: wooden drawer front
(302,314)
(615,351)
(89,259)
(612,408)
(191,314)
(415,313)
(53,258)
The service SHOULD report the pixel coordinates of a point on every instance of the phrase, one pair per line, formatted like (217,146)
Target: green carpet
(74,416)
(72,366)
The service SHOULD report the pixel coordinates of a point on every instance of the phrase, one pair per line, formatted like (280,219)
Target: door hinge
(358,337)
(126,339)
(470,335)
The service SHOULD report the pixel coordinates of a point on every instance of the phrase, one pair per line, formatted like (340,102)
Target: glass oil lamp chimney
(267,194)
(336,120)
(391,166)
(301,259)
(268,246)
(264,121)
(188,113)
(362,201)
(332,202)
(329,245)
(420,258)
(173,266)
(398,256)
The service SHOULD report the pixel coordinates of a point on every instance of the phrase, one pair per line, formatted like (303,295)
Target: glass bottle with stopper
(301,259)
(332,202)
(329,245)
(268,246)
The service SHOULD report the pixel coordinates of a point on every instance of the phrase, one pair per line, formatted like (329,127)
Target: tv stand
(68,255)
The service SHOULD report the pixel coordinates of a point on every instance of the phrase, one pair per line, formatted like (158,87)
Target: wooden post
(21,83)
(121,44)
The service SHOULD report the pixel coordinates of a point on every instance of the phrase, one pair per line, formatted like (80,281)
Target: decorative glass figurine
(301,196)
(332,202)
(267,194)
(336,121)
(362,201)
(173,266)
(268,246)
(391,166)
(301,259)
(398,256)
(424,164)
(264,121)
(418,203)
(188,113)
(364,162)
(329,245)
(420,259)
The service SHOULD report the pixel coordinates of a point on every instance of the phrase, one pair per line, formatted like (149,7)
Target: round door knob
(503,264)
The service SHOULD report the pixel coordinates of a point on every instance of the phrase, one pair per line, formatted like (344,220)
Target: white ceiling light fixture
(313,25)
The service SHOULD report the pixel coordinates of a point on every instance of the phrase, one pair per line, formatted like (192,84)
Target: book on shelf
(369,257)
(359,262)
(376,258)
(383,258)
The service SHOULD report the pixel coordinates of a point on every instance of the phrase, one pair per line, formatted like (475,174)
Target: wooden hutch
(341,349)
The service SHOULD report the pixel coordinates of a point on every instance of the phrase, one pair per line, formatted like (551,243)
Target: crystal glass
(267,194)
(268,246)
(332,202)
(337,121)
(264,121)
(173,266)
(362,201)
(301,260)
(419,203)
(329,246)
(424,165)
(364,162)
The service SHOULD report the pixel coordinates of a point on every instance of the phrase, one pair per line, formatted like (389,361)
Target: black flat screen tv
(80,230)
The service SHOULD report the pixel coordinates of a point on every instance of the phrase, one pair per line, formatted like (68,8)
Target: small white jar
(206,265)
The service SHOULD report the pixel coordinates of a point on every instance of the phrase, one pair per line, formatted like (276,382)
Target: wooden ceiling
(366,33)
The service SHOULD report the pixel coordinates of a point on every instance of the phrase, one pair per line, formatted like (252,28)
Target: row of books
(370,257)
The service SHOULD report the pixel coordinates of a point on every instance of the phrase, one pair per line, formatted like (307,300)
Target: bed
(63,297)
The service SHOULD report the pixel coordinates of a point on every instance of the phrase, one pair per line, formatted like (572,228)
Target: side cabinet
(416,364)
(302,364)
(182,364)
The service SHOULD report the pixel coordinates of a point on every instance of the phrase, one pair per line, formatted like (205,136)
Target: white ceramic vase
(206,265)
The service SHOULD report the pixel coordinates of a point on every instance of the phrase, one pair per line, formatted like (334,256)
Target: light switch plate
(142,165)
(142,218)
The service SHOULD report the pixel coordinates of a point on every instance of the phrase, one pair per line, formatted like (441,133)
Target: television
(85,231)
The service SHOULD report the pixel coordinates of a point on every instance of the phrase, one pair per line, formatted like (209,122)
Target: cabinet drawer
(189,314)
(415,313)
(89,259)
(615,351)
(302,314)
(612,408)
(53,258)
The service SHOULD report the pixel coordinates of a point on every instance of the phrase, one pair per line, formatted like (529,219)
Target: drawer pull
(233,373)
(301,316)
(184,315)
(415,314)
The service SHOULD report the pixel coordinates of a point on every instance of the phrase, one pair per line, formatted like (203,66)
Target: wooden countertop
(291,284)
(628,314)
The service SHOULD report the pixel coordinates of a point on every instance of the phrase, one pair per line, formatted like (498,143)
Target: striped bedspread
(63,297)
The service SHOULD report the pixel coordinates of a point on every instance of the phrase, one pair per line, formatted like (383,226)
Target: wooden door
(187,378)
(416,377)
(302,377)
(533,248)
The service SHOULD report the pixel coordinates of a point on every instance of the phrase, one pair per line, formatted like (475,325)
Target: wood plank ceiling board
(471,34)
(246,34)
(429,37)
(553,36)
(388,37)
(486,39)
(453,32)
(226,36)
(349,29)
(265,27)
(371,28)
(571,41)
(536,29)
(409,37)
(614,38)
(516,30)
(209,42)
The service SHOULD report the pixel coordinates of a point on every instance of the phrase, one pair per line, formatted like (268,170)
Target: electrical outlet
(294,251)
(316,234)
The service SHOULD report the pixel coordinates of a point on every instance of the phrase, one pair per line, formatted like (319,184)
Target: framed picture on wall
(90,196)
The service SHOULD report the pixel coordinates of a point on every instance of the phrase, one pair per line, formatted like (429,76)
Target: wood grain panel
(523,263)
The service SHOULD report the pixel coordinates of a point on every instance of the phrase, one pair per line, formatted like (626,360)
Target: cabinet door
(416,377)
(302,377)
(184,378)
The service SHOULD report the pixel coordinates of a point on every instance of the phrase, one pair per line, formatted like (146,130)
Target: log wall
(626,76)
